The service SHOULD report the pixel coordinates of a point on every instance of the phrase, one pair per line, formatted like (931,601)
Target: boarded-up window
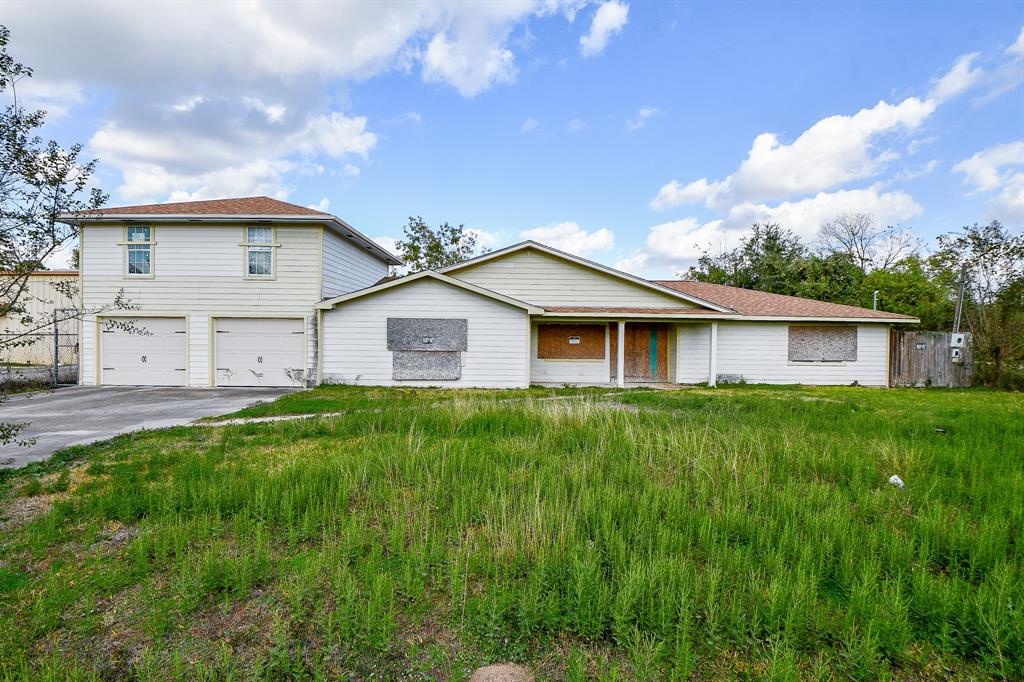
(570,341)
(427,348)
(823,344)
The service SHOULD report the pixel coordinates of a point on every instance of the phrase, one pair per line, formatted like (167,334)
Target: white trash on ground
(896,481)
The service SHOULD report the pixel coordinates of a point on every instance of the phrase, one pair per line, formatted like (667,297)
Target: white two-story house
(222,293)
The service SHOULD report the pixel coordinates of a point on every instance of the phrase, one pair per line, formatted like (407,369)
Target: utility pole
(959,299)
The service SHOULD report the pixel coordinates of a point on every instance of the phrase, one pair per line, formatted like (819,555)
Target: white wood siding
(545,280)
(347,267)
(87,355)
(198,350)
(40,300)
(759,353)
(692,358)
(585,372)
(198,272)
(355,336)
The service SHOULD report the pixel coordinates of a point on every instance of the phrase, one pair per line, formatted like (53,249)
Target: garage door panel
(259,352)
(151,355)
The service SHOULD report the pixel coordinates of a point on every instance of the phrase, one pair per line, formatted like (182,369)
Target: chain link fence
(46,358)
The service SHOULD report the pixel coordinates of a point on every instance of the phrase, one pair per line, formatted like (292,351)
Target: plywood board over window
(832,343)
(570,341)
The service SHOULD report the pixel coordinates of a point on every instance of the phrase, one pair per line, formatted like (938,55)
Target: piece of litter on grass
(897,481)
(940,430)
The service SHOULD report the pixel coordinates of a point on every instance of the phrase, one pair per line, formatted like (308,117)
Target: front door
(646,352)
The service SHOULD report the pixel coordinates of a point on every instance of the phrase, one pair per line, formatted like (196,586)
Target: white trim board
(431,274)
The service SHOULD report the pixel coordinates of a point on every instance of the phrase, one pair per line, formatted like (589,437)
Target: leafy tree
(39,180)
(426,248)
(834,278)
(993,260)
(912,287)
(769,259)
(870,247)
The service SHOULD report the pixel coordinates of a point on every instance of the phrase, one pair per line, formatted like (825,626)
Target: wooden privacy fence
(922,359)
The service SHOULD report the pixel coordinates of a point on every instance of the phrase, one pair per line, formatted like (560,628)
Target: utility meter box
(956,340)
(954,355)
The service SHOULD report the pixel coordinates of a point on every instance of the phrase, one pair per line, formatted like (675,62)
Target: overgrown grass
(743,532)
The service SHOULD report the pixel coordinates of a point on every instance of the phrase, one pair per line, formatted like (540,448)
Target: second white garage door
(259,352)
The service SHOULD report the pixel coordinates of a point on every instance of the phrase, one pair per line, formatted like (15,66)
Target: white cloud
(908,174)
(833,151)
(390,244)
(188,103)
(958,79)
(577,125)
(57,98)
(321,205)
(336,135)
(485,239)
(1007,76)
(470,69)
(641,118)
(142,182)
(572,238)
(407,117)
(982,170)
(529,125)
(608,20)
(228,102)
(999,169)
(467,43)
(672,246)
(350,170)
(676,194)
(274,112)
(158,161)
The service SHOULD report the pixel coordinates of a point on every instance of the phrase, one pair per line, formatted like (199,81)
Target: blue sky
(636,134)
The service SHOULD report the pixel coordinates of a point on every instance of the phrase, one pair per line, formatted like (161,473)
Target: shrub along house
(243,292)
(530,314)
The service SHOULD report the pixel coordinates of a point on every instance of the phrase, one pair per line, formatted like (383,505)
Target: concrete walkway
(84,414)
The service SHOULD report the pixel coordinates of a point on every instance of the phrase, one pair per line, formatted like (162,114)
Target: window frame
(269,247)
(126,247)
(821,361)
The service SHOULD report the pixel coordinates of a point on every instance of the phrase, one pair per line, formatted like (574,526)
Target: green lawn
(740,532)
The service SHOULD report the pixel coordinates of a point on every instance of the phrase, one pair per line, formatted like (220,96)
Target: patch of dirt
(502,672)
(24,510)
(114,535)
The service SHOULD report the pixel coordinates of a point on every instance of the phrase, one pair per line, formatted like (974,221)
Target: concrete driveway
(84,414)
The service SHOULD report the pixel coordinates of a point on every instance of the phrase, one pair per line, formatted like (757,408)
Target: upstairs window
(259,247)
(139,251)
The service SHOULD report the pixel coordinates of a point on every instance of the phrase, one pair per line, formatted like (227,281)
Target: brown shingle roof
(639,311)
(749,302)
(241,206)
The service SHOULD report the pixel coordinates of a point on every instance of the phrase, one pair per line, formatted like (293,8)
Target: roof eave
(339,225)
(431,274)
(736,317)
(529,243)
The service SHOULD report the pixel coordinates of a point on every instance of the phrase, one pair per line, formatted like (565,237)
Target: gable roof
(748,302)
(244,208)
(543,248)
(429,274)
(239,206)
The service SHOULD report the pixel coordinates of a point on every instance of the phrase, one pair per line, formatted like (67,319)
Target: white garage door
(260,352)
(151,353)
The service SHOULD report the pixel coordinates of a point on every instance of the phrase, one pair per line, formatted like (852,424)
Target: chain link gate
(65,346)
